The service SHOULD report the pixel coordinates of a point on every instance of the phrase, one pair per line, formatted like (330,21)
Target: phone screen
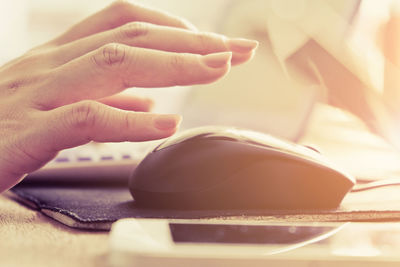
(245,234)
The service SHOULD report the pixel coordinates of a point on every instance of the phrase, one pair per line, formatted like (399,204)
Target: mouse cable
(375,184)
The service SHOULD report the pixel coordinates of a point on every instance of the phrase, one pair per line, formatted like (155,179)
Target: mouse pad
(97,207)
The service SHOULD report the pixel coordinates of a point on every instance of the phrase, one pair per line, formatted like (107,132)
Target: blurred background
(273,93)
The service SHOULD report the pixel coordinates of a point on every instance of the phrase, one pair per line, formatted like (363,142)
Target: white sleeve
(291,23)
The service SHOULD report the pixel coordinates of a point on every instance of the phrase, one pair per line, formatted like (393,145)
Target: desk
(28,238)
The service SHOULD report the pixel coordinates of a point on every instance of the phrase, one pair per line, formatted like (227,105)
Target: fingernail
(217,60)
(167,122)
(242,45)
(150,103)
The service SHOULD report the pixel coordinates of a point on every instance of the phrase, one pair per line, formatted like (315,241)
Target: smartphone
(159,242)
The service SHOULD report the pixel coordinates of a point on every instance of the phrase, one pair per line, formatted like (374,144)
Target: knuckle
(84,115)
(120,7)
(130,122)
(13,86)
(34,80)
(204,42)
(134,29)
(177,63)
(121,12)
(110,55)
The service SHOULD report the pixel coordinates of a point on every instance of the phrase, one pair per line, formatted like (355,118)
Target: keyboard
(107,162)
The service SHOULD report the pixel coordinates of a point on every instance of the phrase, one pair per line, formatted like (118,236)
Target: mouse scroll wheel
(312,148)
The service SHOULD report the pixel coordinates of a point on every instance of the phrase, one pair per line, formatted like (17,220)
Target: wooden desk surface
(29,238)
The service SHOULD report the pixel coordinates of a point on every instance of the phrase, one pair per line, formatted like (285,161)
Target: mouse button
(269,141)
(198,132)
(208,136)
(176,140)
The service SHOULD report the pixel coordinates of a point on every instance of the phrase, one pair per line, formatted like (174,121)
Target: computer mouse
(227,168)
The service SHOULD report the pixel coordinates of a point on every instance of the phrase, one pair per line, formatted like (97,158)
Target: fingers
(128,102)
(146,35)
(114,67)
(118,14)
(85,121)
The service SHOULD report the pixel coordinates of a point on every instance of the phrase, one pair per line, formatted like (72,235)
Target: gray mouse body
(228,168)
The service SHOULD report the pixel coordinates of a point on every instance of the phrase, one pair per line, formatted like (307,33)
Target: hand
(65,93)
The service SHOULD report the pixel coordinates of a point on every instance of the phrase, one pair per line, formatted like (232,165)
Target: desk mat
(97,207)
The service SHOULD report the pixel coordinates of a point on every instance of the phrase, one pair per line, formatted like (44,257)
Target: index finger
(114,67)
(117,14)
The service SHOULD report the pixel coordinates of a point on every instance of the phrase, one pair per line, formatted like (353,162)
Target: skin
(64,93)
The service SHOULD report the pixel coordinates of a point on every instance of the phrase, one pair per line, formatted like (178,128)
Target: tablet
(150,242)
